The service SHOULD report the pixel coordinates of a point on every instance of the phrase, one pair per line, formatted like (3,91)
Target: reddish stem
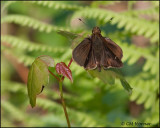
(54,75)
(61,94)
(63,104)
(70,63)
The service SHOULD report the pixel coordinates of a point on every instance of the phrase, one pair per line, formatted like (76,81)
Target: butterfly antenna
(111,19)
(82,21)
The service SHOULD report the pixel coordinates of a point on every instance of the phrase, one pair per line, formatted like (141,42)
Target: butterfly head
(96,30)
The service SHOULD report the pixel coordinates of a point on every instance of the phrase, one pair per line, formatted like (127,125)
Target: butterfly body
(97,51)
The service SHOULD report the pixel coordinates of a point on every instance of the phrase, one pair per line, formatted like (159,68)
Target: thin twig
(70,63)
(63,104)
(54,75)
(61,93)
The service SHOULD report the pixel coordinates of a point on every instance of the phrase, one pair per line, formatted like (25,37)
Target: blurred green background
(29,29)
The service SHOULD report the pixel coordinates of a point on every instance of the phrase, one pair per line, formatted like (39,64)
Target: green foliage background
(90,102)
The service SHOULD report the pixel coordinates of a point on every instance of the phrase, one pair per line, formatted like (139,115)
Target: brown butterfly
(97,51)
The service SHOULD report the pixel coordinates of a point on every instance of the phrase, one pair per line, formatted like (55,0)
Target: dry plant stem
(63,103)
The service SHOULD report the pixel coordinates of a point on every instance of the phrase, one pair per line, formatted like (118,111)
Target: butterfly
(97,51)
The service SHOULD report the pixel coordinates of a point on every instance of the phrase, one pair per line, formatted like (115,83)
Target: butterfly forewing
(116,50)
(81,52)
(108,59)
(78,39)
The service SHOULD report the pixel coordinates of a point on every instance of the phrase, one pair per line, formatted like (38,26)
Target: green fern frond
(58,5)
(151,12)
(33,23)
(75,116)
(49,4)
(26,60)
(7,106)
(67,55)
(105,3)
(154,117)
(5,5)
(149,64)
(77,69)
(20,115)
(145,91)
(29,46)
(133,53)
(154,69)
(130,24)
(16,87)
(132,56)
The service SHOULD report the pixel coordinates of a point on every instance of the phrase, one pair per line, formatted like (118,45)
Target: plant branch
(54,75)
(63,103)
(61,93)
(70,63)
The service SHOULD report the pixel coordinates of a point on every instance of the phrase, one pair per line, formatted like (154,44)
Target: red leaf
(62,69)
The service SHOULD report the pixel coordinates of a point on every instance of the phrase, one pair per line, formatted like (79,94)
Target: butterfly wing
(81,52)
(108,59)
(116,50)
(90,61)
